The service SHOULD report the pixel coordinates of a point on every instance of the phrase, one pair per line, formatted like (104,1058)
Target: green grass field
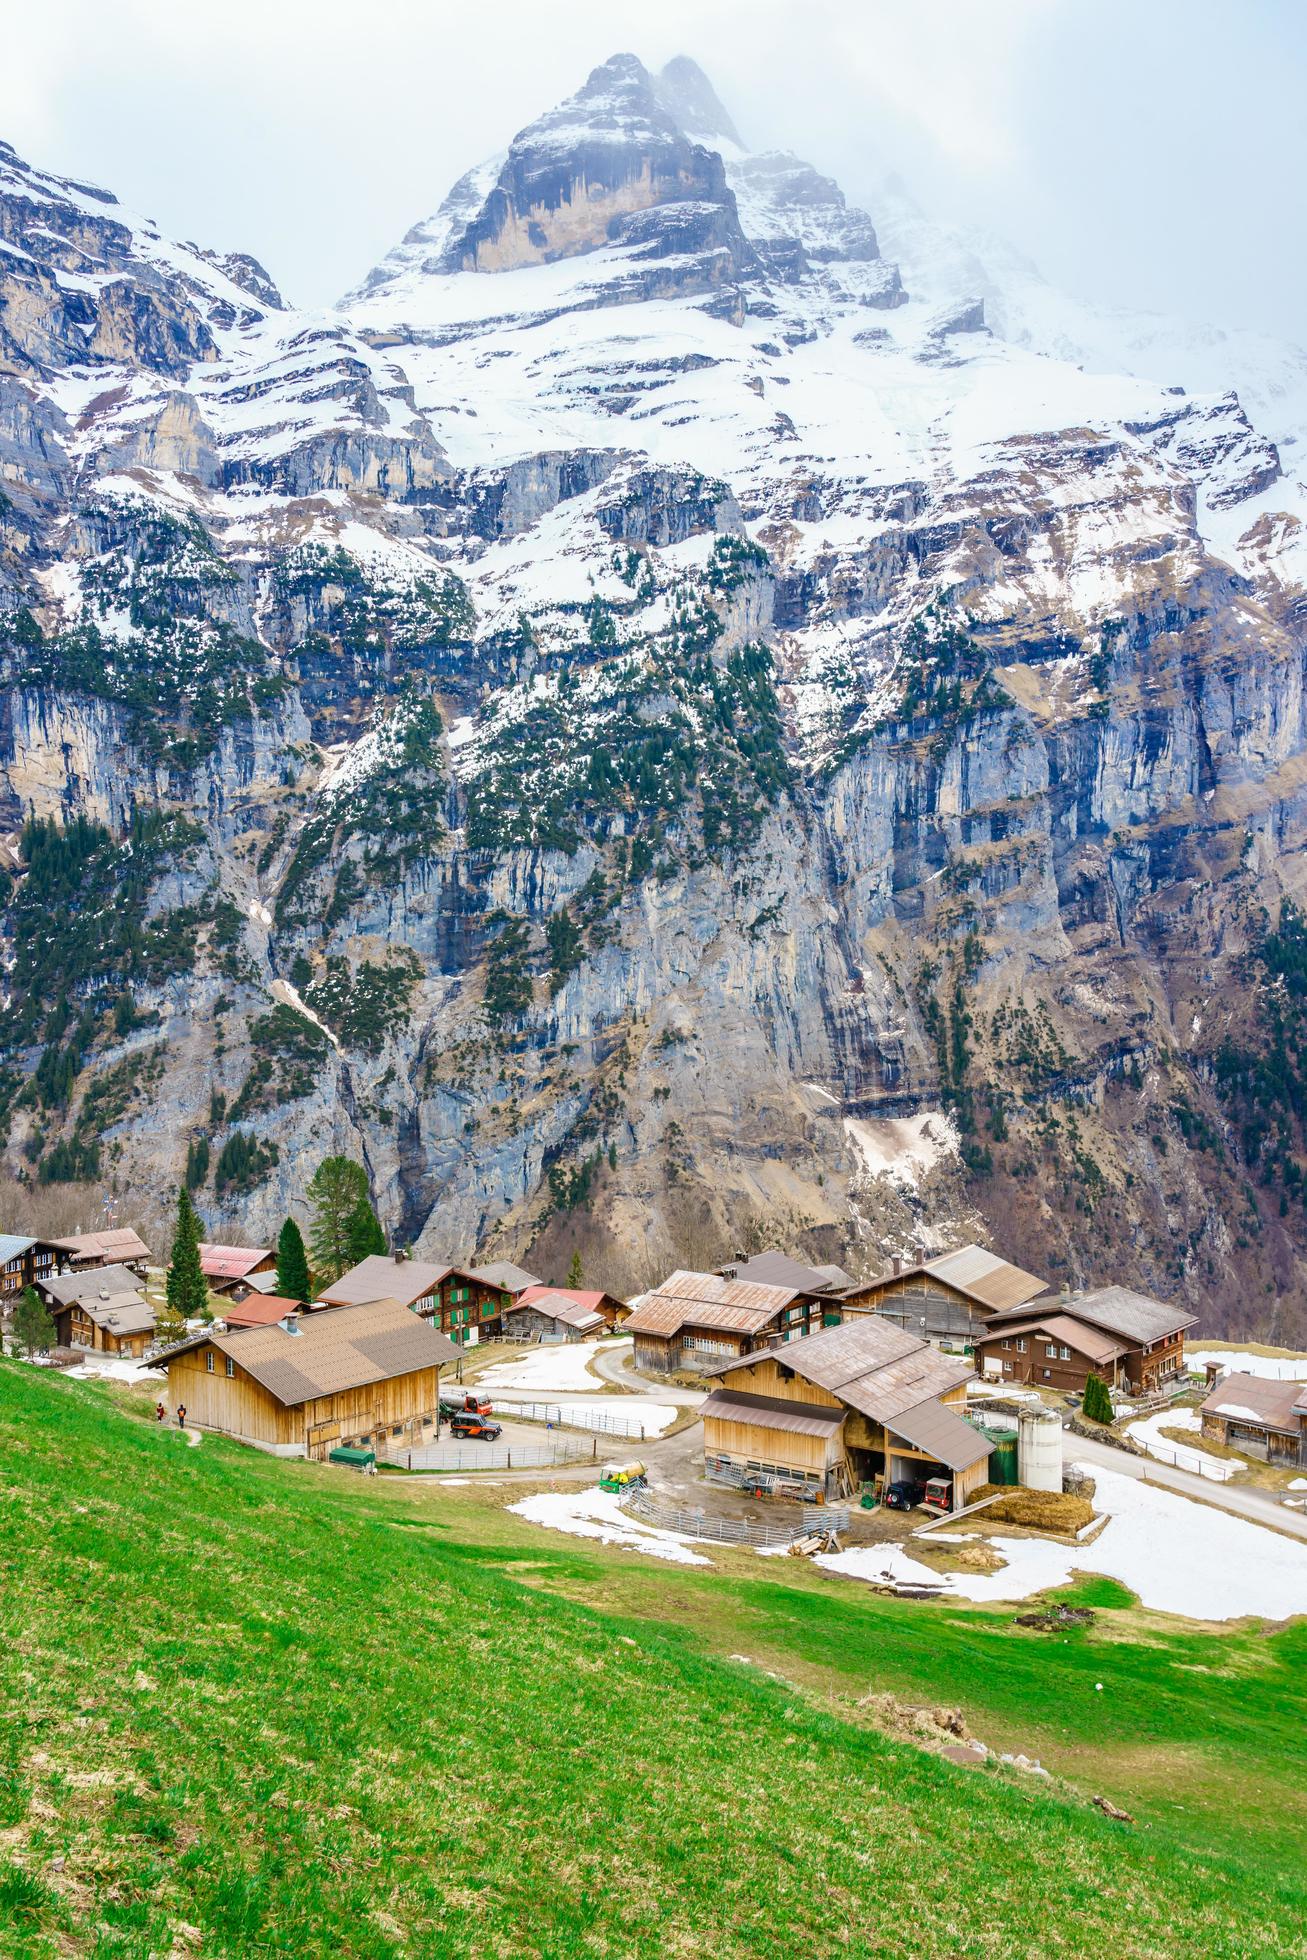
(263,1708)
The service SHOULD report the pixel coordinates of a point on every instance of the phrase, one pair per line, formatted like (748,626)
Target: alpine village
(653,1071)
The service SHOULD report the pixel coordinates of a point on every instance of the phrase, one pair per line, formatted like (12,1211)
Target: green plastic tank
(1003,1462)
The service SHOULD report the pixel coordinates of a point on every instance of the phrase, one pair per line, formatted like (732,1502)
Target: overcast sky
(1144,151)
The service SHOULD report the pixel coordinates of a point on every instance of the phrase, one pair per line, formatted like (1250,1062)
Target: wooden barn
(364,1375)
(607,1305)
(119,1245)
(863,1403)
(947,1300)
(695,1320)
(552,1316)
(1259,1417)
(101,1309)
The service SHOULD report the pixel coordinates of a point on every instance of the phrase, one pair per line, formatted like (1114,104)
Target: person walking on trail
(160,1413)
(181,1415)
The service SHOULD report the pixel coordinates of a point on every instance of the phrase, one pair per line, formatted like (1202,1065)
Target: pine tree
(33,1328)
(575,1275)
(336,1189)
(364,1233)
(188,1292)
(1097,1403)
(292,1263)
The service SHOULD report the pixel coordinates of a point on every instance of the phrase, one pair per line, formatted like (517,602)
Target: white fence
(1191,1459)
(495,1456)
(574,1415)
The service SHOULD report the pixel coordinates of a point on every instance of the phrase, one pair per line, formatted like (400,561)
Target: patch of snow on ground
(289,996)
(652,1417)
(547,1370)
(1178,1556)
(596,1514)
(902,1148)
(114,1367)
(1276,1368)
(1149,1434)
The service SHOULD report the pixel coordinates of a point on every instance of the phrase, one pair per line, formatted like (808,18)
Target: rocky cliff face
(649,734)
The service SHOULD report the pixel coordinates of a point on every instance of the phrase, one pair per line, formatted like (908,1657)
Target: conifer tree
(364,1233)
(34,1329)
(292,1263)
(1097,1403)
(187,1291)
(336,1189)
(575,1274)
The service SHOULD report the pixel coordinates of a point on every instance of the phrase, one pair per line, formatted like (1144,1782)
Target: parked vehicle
(472,1401)
(904,1496)
(939,1494)
(468,1423)
(621,1476)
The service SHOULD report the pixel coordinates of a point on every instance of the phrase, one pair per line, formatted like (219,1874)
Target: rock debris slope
(655,726)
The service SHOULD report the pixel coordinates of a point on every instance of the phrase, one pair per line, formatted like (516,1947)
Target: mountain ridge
(684,707)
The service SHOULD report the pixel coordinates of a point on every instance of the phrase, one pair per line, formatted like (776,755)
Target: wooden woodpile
(814,1542)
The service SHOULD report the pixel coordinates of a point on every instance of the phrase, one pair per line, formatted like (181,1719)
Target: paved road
(1245,1500)
(614,1364)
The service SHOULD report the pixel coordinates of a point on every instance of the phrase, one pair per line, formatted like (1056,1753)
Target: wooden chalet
(310,1383)
(23,1262)
(694,1320)
(948,1300)
(1132,1341)
(260,1309)
(228,1268)
(1259,1417)
(778,1269)
(611,1310)
(101,1309)
(551,1316)
(862,1403)
(462,1302)
(119,1246)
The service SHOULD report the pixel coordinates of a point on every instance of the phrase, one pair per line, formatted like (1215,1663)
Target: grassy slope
(300,1714)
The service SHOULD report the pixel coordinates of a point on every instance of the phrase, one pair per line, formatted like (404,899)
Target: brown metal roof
(121,1242)
(1135,1317)
(344,1348)
(231,1261)
(505,1275)
(771,1412)
(1255,1398)
(688,1299)
(381,1277)
(934,1428)
(778,1269)
(1092,1342)
(871,1364)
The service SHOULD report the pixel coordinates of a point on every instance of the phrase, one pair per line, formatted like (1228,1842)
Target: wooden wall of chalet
(752,1442)
(908,1301)
(762,1376)
(237,1405)
(525,1324)
(76,1329)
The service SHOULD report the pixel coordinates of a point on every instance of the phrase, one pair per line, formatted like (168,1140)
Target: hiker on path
(160,1413)
(181,1415)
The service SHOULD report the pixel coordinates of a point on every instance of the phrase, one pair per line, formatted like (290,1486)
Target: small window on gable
(208,1359)
(231,1366)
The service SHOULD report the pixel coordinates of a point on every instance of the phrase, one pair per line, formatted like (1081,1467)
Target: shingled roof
(120,1242)
(994,1284)
(330,1351)
(687,1299)
(1135,1318)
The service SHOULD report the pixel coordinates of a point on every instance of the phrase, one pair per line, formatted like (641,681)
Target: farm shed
(1259,1417)
(947,1300)
(360,1376)
(551,1317)
(698,1319)
(612,1310)
(847,1406)
(228,1267)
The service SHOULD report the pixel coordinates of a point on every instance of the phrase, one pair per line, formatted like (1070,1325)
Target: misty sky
(1145,153)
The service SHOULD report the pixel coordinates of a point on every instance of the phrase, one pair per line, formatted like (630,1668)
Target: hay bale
(1038,1510)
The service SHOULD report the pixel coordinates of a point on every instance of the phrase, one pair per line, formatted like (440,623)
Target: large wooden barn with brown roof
(695,1319)
(863,1403)
(366,1375)
(947,1300)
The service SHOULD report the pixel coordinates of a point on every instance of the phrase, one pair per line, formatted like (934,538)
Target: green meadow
(262,1708)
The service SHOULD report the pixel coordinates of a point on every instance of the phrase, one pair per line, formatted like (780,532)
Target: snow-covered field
(1276,1368)
(1148,1432)
(595,1513)
(653,1417)
(114,1368)
(1179,1557)
(548,1371)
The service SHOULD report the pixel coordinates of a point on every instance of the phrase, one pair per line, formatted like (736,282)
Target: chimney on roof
(896,1265)
(290,1323)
